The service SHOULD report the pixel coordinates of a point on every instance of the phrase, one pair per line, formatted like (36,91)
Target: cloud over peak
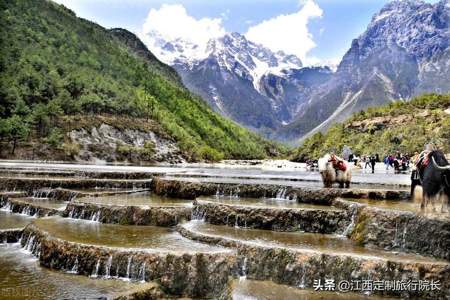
(288,33)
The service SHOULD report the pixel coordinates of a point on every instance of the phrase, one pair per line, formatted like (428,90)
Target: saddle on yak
(423,160)
(338,164)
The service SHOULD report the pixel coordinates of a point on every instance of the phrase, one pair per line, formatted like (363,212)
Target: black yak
(434,172)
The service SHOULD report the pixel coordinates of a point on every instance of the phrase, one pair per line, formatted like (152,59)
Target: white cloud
(288,33)
(172,22)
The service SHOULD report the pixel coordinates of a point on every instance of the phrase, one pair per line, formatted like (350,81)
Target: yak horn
(447,167)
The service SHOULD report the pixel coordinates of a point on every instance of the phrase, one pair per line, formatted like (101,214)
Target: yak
(330,174)
(434,173)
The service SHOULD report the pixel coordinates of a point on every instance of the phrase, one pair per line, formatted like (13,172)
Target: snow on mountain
(403,53)
(233,48)
(236,77)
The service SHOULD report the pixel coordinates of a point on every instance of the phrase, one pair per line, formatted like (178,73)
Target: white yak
(331,175)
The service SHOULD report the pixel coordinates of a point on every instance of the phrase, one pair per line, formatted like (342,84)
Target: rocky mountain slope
(70,89)
(242,80)
(397,126)
(403,53)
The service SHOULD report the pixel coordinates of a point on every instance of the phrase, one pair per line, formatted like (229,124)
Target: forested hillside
(60,73)
(398,126)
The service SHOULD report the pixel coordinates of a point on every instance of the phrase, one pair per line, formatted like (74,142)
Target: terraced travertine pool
(9,220)
(150,238)
(322,243)
(228,233)
(22,277)
(143,199)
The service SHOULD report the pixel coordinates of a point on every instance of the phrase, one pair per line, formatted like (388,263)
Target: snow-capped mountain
(404,52)
(247,82)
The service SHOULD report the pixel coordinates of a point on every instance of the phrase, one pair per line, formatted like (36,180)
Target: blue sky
(330,34)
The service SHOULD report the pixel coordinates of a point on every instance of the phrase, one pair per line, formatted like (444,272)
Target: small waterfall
(29,244)
(142,273)
(198,213)
(129,267)
(108,268)
(41,193)
(72,196)
(351,226)
(302,284)
(218,194)
(5,239)
(281,194)
(26,211)
(236,222)
(97,267)
(243,270)
(117,270)
(81,215)
(36,213)
(7,207)
(235,194)
(32,246)
(396,238)
(404,237)
(74,269)
(96,216)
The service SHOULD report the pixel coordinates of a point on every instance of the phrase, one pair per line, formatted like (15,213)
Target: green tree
(14,129)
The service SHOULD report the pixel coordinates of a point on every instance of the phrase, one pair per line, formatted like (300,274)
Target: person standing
(386,162)
(373,161)
(367,161)
(415,179)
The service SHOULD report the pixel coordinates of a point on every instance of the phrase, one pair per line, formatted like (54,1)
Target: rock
(200,275)
(129,215)
(102,142)
(278,219)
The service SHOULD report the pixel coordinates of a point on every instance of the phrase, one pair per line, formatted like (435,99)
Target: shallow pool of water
(44,202)
(135,199)
(326,243)
(267,290)
(21,277)
(264,202)
(9,220)
(121,236)
(405,205)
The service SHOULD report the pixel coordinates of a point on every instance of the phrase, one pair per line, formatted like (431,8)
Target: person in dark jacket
(373,161)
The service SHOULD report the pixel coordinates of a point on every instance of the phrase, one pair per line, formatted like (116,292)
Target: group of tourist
(399,162)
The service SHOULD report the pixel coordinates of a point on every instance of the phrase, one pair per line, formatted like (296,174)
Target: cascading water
(96,216)
(97,267)
(7,207)
(351,226)
(71,213)
(243,270)
(36,213)
(142,273)
(74,269)
(129,267)
(32,245)
(26,211)
(198,213)
(404,236)
(236,223)
(302,283)
(108,268)
(281,194)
